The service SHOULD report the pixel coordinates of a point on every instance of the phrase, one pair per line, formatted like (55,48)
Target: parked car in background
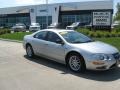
(19,27)
(115,24)
(88,26)
(1,27)
(55,25)
(75,25)
(34,27)
(74,49)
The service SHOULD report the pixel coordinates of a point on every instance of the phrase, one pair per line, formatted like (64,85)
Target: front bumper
(105,66)
(102,65)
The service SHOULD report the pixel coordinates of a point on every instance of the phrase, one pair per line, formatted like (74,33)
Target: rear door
(39,42)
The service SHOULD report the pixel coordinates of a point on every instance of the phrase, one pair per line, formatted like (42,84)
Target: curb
(9,40)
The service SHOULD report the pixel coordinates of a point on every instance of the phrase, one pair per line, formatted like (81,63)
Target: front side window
(75,37)
(53,37)
(41,35)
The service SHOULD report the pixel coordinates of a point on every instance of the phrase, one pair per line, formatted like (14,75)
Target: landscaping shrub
(117,29)
(91,34)
(99,33)
(4,31)
(107,34)
(83,30)
(118,34)
(113,34)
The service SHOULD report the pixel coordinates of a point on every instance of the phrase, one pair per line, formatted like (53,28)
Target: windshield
(53,24)
(35,24)
(75,37)
(19,24)
(74,24)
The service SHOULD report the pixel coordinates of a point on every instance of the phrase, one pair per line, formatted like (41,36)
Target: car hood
(97,47)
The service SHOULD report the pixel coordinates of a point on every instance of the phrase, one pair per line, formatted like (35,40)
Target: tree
(117,17)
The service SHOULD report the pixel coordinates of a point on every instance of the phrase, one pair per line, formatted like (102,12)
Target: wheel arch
(73,52)
(27,45)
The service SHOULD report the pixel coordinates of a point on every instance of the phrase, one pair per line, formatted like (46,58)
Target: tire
(76,63)
(29,51)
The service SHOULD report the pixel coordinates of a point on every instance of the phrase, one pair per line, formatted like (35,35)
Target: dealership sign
(101,18)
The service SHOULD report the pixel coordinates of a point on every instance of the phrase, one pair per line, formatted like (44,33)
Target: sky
(12,3)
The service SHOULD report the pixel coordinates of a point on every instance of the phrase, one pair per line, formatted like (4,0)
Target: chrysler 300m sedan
(74,49)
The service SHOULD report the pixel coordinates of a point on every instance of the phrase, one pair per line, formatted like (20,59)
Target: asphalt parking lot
(17,72)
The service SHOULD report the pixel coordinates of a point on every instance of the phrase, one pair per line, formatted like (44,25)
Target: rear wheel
(76,63)
(29,51)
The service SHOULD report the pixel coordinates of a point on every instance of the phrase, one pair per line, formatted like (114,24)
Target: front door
(53,49)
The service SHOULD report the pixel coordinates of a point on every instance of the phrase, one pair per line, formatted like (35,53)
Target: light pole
(47,13)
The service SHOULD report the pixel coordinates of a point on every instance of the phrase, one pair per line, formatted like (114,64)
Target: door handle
(46,44)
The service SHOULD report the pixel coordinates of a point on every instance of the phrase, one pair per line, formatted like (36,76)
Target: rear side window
(41,35)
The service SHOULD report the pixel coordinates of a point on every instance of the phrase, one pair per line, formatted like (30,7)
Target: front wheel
(76,63)
(29,51)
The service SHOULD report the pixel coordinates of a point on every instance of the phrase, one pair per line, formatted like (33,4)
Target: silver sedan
(74,49)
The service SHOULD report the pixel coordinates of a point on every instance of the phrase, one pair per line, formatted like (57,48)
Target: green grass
(15,36)
(115,41)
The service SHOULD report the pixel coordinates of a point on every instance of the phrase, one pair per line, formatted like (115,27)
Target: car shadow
(103,76)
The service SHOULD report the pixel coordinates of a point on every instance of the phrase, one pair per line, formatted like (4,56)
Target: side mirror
(59,41)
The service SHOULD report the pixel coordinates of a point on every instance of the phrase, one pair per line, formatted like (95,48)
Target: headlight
(103,57)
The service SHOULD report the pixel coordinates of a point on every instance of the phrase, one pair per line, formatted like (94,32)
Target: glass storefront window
(69,19)
(42,21)
(9,21)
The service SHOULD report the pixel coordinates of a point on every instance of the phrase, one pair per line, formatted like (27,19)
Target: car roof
(53,30)
(56,30)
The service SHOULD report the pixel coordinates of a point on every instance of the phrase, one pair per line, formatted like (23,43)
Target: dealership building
(97,13)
